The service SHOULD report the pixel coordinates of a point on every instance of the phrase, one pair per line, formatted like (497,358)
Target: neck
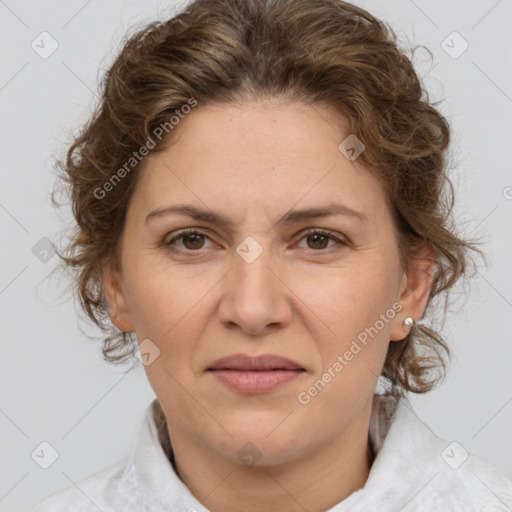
(315,482)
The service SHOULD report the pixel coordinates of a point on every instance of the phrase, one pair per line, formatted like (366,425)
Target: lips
(265,362)
(253,375)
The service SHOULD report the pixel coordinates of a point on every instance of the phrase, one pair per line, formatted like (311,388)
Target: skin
(304,297)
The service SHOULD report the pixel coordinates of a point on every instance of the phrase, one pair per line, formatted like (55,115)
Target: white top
(414,470)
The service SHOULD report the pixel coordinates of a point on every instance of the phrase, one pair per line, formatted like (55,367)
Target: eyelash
(310,232)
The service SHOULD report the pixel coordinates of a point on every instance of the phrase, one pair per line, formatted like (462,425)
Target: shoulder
(455,479)
(417,470)
(476,485)
(111,488)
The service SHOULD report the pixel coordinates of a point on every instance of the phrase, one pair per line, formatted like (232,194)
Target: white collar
(409,472)
(414,470)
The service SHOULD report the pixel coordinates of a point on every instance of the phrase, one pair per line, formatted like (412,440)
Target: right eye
(192,240)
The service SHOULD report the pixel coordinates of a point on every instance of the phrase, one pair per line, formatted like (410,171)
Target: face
(326,292)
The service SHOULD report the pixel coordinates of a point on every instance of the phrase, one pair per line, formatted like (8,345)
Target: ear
(117,305)
(414,290)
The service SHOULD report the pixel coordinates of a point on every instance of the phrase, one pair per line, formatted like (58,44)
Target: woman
(260,202)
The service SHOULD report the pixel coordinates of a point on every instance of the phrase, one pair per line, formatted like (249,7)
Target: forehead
(265,156)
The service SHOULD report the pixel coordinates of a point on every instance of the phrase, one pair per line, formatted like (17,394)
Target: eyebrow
(289,218)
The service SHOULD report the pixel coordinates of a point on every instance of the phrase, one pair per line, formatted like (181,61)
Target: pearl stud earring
(409,322)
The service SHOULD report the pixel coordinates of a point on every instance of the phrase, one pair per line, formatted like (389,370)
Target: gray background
(54,384)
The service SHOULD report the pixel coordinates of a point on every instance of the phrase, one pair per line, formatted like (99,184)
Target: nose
(255,297)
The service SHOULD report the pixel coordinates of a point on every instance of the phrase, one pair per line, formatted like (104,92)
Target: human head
(321,53)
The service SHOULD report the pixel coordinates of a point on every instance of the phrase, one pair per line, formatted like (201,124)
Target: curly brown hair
(322,52)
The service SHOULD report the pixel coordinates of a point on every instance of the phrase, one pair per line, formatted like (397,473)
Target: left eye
(320,238)
(194,240)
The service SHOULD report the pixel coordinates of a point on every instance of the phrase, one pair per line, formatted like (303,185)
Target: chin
(262,452)
(262,441)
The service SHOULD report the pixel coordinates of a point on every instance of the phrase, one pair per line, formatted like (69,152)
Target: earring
(409,322)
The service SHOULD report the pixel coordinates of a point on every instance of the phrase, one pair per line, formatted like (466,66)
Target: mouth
(254,375)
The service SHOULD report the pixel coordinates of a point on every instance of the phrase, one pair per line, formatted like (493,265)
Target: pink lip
(259,374)
(256,381)
(263,362)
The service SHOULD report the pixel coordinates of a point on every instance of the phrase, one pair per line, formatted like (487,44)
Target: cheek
(172,309)
(161,299)
(169,308)
(350,300)
(357,308)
